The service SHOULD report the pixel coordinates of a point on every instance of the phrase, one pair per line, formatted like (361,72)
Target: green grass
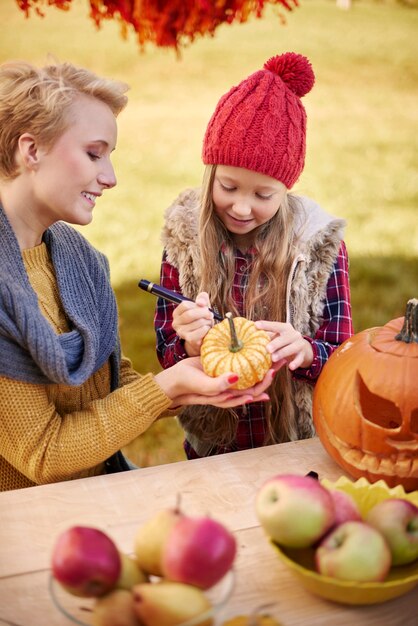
(361,158)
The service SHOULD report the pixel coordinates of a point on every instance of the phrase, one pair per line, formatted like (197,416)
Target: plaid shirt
(336,327)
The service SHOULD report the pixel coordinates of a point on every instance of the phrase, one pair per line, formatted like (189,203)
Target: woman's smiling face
(245,200)
(73,174)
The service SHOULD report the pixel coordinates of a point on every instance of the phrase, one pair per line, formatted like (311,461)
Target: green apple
(354,551)
(294,510)
(397,520)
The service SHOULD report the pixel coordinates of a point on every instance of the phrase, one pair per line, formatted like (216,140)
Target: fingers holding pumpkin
(186,383)
(287,344)
(222,401)
(212,391)
(297,352)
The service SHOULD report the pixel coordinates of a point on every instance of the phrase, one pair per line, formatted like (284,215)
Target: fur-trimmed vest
(319,237)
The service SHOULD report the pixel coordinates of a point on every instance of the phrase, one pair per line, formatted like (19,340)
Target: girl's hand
(186,383)
(287,344)
(191,321)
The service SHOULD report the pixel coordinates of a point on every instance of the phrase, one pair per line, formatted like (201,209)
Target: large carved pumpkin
(365,405)
(236,345)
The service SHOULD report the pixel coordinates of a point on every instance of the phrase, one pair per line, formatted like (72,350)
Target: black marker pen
(171,296)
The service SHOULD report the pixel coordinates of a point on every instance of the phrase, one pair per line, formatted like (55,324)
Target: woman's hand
(191,321)
(287,344)
(186,383)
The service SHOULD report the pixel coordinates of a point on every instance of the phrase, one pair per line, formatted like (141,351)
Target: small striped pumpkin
(236,345)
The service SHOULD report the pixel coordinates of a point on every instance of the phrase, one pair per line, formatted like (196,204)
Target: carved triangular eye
(377,410)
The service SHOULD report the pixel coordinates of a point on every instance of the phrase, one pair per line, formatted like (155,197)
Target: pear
(167,603)
(131,573)
(151,538)
(115,609)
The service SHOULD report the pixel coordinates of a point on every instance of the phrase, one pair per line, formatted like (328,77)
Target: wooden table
(224,486)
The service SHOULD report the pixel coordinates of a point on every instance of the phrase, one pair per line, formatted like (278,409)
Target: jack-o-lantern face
(365,406)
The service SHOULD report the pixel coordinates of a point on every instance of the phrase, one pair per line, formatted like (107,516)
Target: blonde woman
(244,243)
(68,399)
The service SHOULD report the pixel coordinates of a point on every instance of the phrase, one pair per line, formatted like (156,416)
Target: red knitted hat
(261,123)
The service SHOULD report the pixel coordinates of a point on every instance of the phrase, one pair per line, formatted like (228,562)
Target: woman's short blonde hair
(35,100)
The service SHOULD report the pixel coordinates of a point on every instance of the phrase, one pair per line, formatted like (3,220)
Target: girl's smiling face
(245,200)
(72,174)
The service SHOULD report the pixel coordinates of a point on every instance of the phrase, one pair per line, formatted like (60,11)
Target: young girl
(244,243)
(68,401)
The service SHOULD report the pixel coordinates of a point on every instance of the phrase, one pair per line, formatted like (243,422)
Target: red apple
(198,551)
(86,561)
(354,551)
(397,520)
(295,511)
(346,509)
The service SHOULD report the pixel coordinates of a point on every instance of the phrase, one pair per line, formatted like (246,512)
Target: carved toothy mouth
(396,464)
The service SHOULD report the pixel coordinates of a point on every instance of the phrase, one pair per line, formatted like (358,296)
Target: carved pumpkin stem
(409,331)
(236,344)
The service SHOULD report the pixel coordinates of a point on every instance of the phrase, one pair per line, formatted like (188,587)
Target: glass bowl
(80,610)
(400,579)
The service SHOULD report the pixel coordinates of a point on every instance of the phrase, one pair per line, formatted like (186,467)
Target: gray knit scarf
(30,350)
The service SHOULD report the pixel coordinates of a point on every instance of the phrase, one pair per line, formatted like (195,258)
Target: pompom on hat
(261,123)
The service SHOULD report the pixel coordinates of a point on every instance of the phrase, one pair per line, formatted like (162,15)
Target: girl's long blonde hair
(265,296)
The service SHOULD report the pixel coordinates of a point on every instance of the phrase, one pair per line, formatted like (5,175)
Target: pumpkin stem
(409,331)
(254,619)
(236,344)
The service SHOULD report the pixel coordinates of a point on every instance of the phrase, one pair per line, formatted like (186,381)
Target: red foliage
(167,23)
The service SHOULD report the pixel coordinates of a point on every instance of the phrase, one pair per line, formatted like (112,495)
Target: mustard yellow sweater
(55,432)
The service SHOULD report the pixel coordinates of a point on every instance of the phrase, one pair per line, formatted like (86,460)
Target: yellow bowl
(400,579)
